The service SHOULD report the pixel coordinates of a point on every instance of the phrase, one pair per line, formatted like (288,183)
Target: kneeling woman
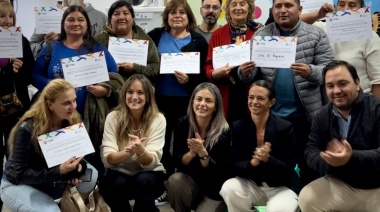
(201,145)
(28,183)
(134,135)
(262,157)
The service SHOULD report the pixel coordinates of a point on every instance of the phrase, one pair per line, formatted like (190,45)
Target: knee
(176,179)
(307,198)
(229,188)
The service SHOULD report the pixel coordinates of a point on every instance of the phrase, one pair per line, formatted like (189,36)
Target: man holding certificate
(298,96)
(29,184)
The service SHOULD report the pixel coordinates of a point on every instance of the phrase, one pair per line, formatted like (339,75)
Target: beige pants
(330,194)
(240,194)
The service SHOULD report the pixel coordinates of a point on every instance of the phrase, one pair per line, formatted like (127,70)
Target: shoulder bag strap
(77,199)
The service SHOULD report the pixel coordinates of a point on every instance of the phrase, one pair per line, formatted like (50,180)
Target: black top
(211,178)
(279,168)
(363,169)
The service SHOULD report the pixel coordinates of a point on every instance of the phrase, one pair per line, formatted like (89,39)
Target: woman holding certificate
(201,145)
(15,76)
(74,44)
(28,183)
(132,145)
(173,90)
(240,27)
(121,25)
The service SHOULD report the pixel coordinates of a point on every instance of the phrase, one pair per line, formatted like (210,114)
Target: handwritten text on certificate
(86,69)
(186,62)
(60,145)
(129,50)
(349,25)
(274,51)
(10,42)
(48,19)
(233,54)
(309,6)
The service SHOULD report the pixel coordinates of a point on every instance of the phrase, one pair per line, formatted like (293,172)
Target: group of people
(228,137)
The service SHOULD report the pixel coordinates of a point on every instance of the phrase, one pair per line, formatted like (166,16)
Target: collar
(294,30)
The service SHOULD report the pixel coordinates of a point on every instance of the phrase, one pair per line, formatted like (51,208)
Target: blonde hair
(40,113)
(6,7)
(251,9)
(124,122)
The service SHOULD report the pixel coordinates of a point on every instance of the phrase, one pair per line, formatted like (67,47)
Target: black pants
(117,188)
(173,108)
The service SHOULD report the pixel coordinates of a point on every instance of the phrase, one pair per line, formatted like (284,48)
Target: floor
(163,208)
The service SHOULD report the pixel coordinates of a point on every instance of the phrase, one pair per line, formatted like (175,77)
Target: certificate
(274,51)
(309,6)
(60,145)
(233,54)
(349,25)
(48,19)
(129,50)
(85,69)
(186,62)
(11,42)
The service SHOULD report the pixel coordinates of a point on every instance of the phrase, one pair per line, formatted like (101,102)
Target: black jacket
(9,80)
(25,165)
(278,170)
(197,44)
(210,179)
(363,169)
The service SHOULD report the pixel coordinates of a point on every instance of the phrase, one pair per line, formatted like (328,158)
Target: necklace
(137,131)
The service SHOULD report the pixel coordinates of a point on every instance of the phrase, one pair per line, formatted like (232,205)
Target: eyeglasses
(208,7)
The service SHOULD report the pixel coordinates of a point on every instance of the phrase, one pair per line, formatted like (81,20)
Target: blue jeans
(26,198)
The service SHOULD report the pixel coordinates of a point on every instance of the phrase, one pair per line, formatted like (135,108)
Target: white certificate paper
(129,50)
(349,25)
(60,145)
(233,54)
(48,19)
(11,42)
(274,51)
(186,62)
(86,69)
(309,6)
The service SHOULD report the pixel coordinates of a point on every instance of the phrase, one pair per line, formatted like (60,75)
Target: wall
(25,10)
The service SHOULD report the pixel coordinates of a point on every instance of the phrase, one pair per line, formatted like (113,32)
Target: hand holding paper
(70,164)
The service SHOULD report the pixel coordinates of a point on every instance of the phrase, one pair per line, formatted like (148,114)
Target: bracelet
(141,154)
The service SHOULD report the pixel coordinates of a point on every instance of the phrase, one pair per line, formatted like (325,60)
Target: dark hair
(174,4)
(298,2)
(117,5)
(267,85)
(88,40)
(336,63)
(361,2)
(220,1)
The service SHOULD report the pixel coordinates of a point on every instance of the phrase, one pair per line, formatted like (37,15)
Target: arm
(24,74)
(37,43)
(312,17)
(218,155)
(371,57)
(314,146)
(323,54)
(23,147)
(155,142)
(248,78)
(39,78)
(109,150)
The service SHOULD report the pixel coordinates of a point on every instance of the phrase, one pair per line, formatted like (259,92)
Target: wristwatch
(204,157)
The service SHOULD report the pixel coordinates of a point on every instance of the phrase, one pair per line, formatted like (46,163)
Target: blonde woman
(134,135)
(28,184)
